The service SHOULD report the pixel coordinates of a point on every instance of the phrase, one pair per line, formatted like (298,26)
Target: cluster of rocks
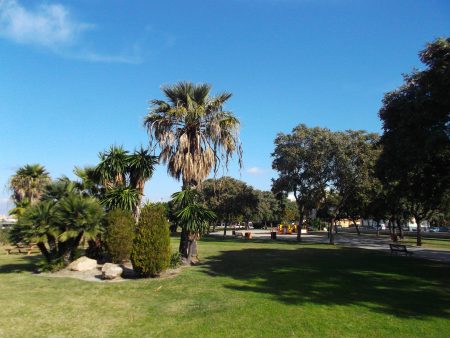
(109,270)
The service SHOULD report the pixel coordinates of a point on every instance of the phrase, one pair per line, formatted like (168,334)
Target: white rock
(83,264)
(111,271)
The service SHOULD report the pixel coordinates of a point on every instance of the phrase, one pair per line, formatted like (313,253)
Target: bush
(119,235)
(151,246)
(175,260)
(4,236)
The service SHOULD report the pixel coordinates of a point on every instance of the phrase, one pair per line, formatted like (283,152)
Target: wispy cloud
(47,25)
(52,27)
(256,171)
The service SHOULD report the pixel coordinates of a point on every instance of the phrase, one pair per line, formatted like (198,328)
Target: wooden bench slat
(395,248)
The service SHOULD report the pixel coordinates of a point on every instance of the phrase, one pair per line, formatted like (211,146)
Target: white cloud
(47,25)
(256,171)
(53,27)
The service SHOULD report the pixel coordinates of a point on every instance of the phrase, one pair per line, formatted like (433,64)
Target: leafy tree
(353,165)
(303,160)
(230,199)
(290,213)
(268,209)
(416,139)
(194,133)
(151,246)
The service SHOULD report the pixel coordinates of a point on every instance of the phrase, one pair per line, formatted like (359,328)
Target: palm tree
(90,183)
(113,166)
(36,225)
(77,216)
(29,182)
(193,131)
(20,208)
(194,218)
(141,165)
(194,134)
(58,189)
(121,197)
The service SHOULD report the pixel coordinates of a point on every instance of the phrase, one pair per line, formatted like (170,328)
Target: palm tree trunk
(184,244)
(75,245)
(44,251)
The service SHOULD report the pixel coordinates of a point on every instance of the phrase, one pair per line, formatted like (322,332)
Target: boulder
(111,271)
(83,264)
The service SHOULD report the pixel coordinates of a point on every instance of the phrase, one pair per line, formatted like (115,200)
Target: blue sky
(76,76)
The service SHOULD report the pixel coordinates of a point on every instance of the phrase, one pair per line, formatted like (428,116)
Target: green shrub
(151,246)
(119,235)
(175,260)
(55,265)
(4,236)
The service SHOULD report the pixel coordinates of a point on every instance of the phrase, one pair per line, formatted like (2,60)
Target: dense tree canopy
(304,162)
(416,138)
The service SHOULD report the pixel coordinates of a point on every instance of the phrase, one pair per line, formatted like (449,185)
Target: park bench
(396,248)
(21,248)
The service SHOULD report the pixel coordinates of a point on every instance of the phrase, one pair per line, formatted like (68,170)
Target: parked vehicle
(439,229)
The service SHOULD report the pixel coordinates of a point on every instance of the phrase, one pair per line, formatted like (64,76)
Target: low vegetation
(151,246)
(119,235)
(240,289)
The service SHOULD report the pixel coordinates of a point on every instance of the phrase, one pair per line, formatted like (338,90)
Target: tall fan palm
(193,131)
(194,135)
(141,165)
(29,182)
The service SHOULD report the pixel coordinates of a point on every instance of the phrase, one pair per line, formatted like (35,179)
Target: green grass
(241,289)
(427,242)
(432,243)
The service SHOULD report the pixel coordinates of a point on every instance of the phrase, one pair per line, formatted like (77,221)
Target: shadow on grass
(399,286)
(20,263)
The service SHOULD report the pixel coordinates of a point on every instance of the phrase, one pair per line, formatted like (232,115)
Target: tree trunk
(331,235)
(357,227)
(419,230)
(225,230)
(400,229)
(299,228)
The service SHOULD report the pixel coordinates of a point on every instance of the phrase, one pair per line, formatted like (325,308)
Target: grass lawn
(432,243)
(241,289)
